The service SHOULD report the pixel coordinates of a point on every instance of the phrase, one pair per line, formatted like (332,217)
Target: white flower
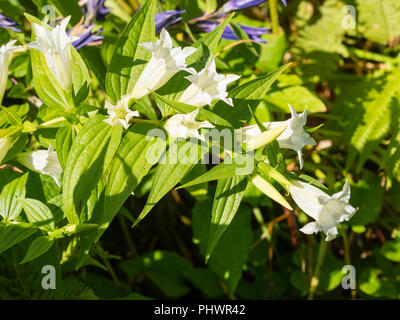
(165,62)
(294,137)
(120,115)
(185,126)
(55,44)
(328,211)
(44,162)
(5,53)
(5,145)
(207,86)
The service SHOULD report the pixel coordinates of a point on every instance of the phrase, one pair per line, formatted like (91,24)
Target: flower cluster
(204,87)
(207,86)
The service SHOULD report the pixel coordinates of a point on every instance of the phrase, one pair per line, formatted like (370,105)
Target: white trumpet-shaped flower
(294,137)
(5,145)
(165,62)
(55,44)
(5,53)
(327,211)
(185,126)
(207,86)
(120,115)
(44,162)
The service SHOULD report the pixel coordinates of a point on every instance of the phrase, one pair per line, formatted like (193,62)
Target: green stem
(273,12)
(110,268)
(347,259)
(320,260)
(156,122)
(125,231)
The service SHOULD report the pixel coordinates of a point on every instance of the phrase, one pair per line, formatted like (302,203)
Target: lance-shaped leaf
(186,108)
(240,167)
(129,59)
(270,191)
(227,199)
(38,247)
(90,155)
(208,44)
(10,207)
(180,158)
(64,139)
(38,214)
(137,153)
(11,234)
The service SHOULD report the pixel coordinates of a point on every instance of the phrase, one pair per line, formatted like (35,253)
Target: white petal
(165,39)
(299,153)
(310,228)
(331,234)
(306,197)
(149,46)
(292,111)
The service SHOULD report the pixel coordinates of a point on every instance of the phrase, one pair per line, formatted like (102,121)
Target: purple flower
(94,9)
(253,33)
(8,23)
(85,36)
(234,5)
(167,18)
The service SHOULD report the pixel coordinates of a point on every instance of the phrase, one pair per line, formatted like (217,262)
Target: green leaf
(372,283)
(367,195)
(11,234)
(129,59)
(232,250)
(208,44)
(38,214)
(165,269)
(80,78)
(227,199)
(391,250)
(38,247)
(10,207)
(269,190)
(272,53)
(367,114)
(64,140)
(132,162)
(13,119)
(378,20)
(92,57)
(67,8)
(186,108)
(98,142)
(180,158)
(223,171)
(326,33)
(297,96)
